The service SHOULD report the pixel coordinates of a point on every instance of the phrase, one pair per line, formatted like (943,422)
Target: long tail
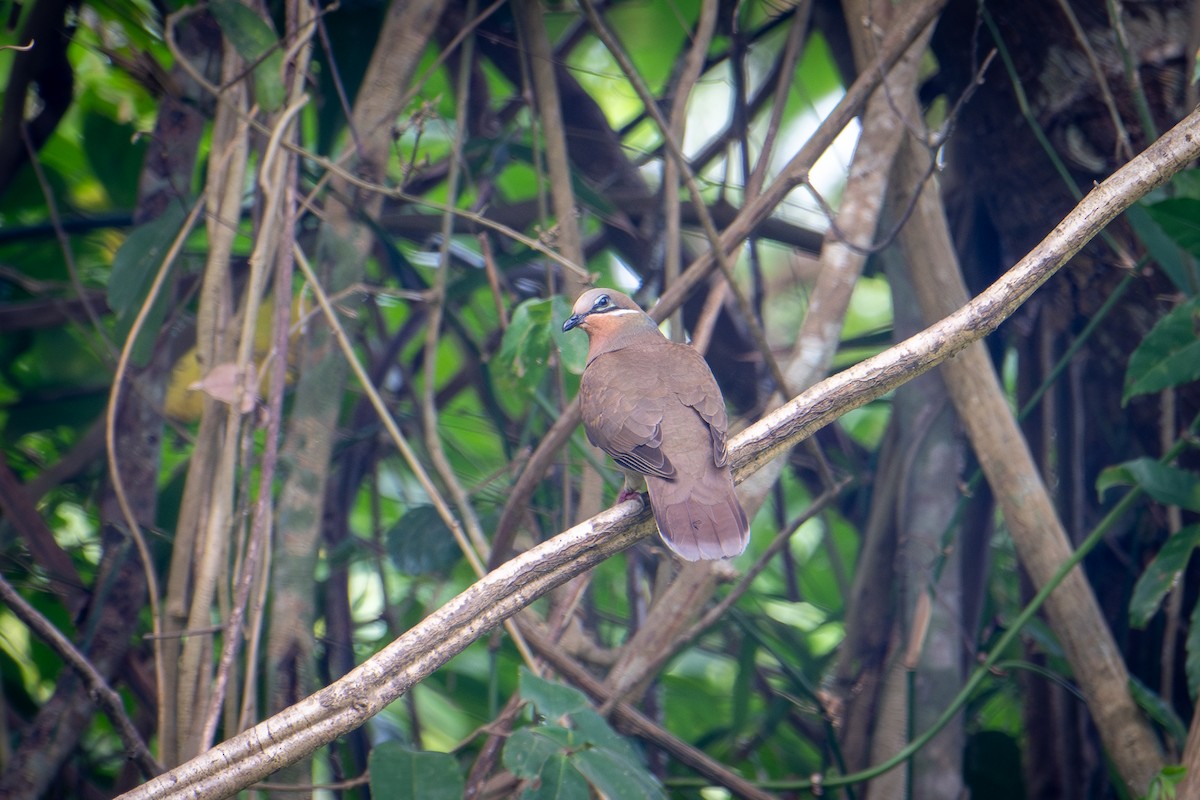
(701,521)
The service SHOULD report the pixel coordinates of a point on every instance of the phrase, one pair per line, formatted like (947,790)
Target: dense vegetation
(287,407)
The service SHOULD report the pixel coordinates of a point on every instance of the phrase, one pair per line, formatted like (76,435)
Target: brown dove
(653,405)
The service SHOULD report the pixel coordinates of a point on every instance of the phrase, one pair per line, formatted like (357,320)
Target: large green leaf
(134,268)
(138,259)
(572,345)
(1180,219)
(526,752)
(1168,485)
(533,336)
(1170,353)
(1186,183)
(552,700)
(1192,665)
(524,351)
(1160,574)
(421,544)
(615,775)
(115,154)
(257,44)
(1158,710)
(398,773)
(593,729)
(1163,249)
(558,780)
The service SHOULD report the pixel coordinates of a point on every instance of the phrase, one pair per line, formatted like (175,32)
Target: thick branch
(349,702)
(1033,521)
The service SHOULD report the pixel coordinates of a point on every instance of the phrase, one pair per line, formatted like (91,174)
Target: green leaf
(421,544)
(1159,575)
(552,700)
(616,776)
(399,773)
(1158,710)
(138,258)
(1180,219)
(1186,183)
(1169,355)
(257,44)
(558,781)
(1168,485)
(593,729)
(572,345)
(115,156)
(135,265)
(742,685)
(524,351)
(1163,249)
(533,334)
(564,738)
(1192,664)
(1166,783)
(525,753)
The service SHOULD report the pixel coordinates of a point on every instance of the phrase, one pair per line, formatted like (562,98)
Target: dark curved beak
(573,321)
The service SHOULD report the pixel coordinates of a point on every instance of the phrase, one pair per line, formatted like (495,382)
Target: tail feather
(705,521)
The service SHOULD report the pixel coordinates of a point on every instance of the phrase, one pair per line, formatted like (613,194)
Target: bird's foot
(631,494)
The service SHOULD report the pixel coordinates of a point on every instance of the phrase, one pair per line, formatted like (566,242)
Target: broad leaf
(1186,183)
(1168,485)
(139,258)
(1158,710)
(400,773)
(1165,251)
(115,154)
(552,700)
(1160,574)
(595,730)
(257,44)
(558,781)
(136,264)
(421,544)
(524,352)
(1180,218)
(1169,355)
(616,776)
(572,345)
(1192,664)
(525,753)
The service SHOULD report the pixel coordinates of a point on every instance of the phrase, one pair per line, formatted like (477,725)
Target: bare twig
(899,38)
(1132,70)
(791,54)
(110,442)
(693,63)
(64,243)
(103,694)
(272,248)
(1124,147)
(436,310)
(550,123)
(718,253)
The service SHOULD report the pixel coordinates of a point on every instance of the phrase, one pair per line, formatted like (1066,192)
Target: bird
(654,406)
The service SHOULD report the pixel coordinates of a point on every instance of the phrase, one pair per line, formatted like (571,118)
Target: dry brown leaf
(221,384)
